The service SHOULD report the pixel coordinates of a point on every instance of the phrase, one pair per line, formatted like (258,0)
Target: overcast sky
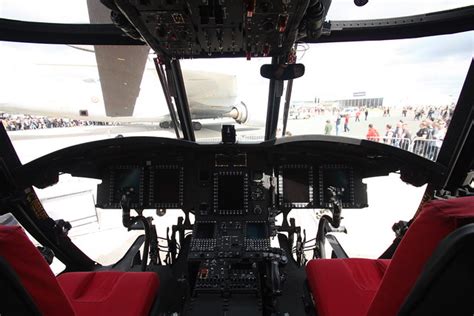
(416,71)
(75,11)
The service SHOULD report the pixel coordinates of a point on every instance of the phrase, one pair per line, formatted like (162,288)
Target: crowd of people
(428,138)
(344,119)
(433,113)
(29,122)
(425,141)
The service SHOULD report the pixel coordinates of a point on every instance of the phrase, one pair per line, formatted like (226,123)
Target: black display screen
(295,185)
(205,230)
(230,192)
(166,186)
(340,179)
(127,180)
(256,231)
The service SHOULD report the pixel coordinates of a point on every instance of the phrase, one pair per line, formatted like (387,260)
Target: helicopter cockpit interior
(228,254)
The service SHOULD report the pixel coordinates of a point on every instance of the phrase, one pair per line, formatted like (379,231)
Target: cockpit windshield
(399,92)
(405,89)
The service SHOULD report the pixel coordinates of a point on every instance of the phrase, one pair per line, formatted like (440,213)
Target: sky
(415,71)
(75,11)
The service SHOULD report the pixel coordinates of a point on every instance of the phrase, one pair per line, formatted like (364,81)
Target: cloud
(415,69)
(54,11)
(429,48)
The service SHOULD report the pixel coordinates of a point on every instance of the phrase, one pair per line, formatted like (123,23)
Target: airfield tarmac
(105,240)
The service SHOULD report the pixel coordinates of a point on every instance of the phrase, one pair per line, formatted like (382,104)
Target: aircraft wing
(120,68)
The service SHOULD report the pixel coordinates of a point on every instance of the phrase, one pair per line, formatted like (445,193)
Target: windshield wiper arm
(289,88)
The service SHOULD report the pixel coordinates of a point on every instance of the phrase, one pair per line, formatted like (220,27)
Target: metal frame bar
(429,24)
(273,107)
(181,99)
(62,33)
(165,86)
(23,210)
(456,151)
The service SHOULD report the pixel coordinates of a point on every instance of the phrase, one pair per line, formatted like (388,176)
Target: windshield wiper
(289,88)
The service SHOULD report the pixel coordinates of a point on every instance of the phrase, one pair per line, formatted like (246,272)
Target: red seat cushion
(436,220)
(344,286)
(76,293)
(349,286)
(33,272)
(110,292)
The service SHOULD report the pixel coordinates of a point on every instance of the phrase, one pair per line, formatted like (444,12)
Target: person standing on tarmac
(338,123)
(406,137)
(404,111)
(357,119)
(328,128)
(373,134)
(438,136)
(388,134)
(366,113)
(346,123)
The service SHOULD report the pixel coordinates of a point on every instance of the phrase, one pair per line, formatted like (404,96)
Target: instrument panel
(157,186)
(235,196)
(222,184)
(235,192)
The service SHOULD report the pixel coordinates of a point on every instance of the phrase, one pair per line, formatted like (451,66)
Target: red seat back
(436,220)
(33,271)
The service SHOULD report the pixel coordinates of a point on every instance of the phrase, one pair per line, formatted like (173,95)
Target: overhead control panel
(185,29)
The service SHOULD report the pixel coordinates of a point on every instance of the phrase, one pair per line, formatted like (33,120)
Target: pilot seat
(32,289)
(430,272)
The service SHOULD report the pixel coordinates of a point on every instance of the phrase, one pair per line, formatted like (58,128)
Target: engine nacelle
(241,115)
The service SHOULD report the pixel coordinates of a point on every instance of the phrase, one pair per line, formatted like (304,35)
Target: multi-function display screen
(295,185)
(230,192)
(205,230)
(126,180)
(166,187)
(256,231)
(339,179)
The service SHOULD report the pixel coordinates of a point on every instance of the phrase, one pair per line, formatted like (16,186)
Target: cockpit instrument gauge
(166,186)
(353,192)
(122,180)
(231,192)
(295,185)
